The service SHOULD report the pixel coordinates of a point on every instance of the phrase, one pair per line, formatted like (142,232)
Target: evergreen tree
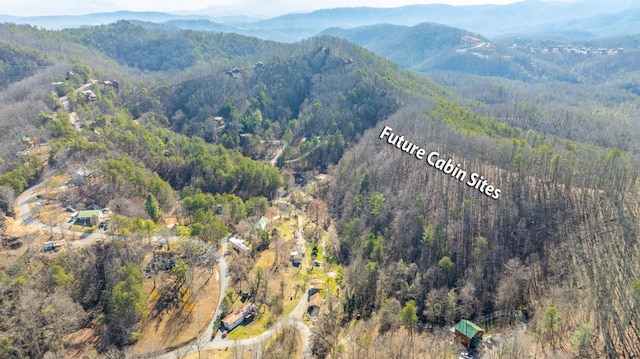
(152,207)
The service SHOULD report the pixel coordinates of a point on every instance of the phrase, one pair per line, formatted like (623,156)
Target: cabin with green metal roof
(88,218)
(469,333)
(261,224)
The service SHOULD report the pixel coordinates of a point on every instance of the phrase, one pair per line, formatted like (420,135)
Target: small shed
(469,333)
(261,224)
(26,140)
(81,175)
(296,258)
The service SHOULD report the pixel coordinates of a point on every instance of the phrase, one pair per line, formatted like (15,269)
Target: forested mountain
(431,47)
(540,213)
(425,46)
(163,49)
(602,114)
(17,63)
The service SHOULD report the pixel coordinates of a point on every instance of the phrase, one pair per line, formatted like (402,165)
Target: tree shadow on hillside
(171,309)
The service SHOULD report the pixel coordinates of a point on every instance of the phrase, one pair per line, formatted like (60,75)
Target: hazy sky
(172,5)
(74,7)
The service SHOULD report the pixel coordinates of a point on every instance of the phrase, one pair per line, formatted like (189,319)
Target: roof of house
(262,222)
(233,318)
(239,243)
(316,284)
(247,309)
(315,300)
(90,213)
(84,172)
(468,328)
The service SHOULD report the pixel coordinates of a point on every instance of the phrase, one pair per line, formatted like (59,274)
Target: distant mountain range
(569,20)
(430,47)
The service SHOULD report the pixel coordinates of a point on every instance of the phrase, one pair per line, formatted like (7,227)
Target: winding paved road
(26,217)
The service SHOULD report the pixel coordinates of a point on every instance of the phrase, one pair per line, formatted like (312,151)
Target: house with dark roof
(236,73)
(469,333)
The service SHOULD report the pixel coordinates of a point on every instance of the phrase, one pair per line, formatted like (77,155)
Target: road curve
(26,217)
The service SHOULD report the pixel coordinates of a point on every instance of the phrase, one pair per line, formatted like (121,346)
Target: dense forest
(177,121)
(432,239)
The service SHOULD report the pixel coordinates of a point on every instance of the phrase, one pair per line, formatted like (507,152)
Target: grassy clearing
(257,326)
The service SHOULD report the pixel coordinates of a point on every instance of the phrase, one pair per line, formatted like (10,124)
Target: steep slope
(17,63)
(318,98)
(412,231)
